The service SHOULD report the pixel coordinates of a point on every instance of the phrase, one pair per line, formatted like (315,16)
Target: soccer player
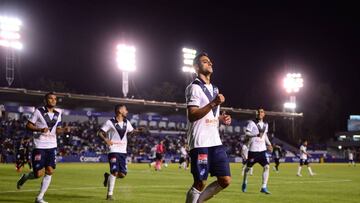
(277,153)
(207,153)
(258,145)
(160,150)
(45,122)
(350,154)
(22,154)
(184,158)
(114,133)
(152,156)
(304,159)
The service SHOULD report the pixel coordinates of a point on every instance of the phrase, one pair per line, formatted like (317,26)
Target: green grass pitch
(82,182)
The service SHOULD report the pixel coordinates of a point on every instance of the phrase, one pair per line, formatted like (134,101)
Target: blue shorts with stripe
(43,158)
(117,162)
(213,160)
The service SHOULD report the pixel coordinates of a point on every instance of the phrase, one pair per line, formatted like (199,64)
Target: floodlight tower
(292,84)
(10,39)
(125,58)
(188,58)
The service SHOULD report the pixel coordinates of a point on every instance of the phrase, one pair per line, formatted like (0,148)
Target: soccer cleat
(40,201)
(21,181)
(299,175)
(106,178)
(265,190)
(312,174)
(243,187)
(109,198)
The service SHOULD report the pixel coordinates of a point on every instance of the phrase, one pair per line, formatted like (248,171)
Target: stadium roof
(34,97)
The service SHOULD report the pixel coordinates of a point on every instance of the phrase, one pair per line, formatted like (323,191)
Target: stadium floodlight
(9,32)
(293,82)
(188,58)
(289,105)
(125,58)
(10,39)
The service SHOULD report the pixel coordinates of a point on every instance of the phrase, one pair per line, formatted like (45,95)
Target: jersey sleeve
(106,126)
(192,95)
(59,124)
(34,117)
(129,127)
(250,128)
(267,141)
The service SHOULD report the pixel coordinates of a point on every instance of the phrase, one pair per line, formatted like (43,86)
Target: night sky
(252,46)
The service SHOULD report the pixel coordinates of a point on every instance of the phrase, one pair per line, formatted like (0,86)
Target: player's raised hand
(45,130)
(225,119)
(219,99)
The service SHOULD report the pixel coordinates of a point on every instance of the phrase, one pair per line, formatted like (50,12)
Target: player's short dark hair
(48,94)
(197,58)
(117,107)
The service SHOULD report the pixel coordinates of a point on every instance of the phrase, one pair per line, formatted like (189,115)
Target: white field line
(169,186)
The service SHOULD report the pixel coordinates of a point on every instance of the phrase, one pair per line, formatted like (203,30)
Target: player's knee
(266,167)
(224,181)
(199,185)
(49,171)
(115,174)
(121,175)
(39,174)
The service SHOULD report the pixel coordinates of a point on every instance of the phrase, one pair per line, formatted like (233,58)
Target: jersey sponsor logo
(211,121)
(202,159)
(37,157)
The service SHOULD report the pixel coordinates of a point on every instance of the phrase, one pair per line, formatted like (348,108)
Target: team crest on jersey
(202,172)
(202,159)
(113,159)
(55,117)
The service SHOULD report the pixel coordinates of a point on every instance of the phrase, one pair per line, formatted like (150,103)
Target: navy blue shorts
(207,160)
(257,157)
(42,158)
(117,162)
(304,162)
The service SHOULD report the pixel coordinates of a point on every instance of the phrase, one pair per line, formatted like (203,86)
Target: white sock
(111,184)
(299,170)
(245,174)
(44,186)
(192,195)
(243,170)
(310,171)
(210,191)
(251,171)
(265,176)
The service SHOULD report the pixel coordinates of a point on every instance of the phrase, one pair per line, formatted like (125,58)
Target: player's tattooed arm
(102,135)
(138,131)
(62,130)
(195,113)
(31,126)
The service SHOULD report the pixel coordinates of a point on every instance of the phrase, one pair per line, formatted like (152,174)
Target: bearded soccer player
(45,122)
(207,153)
(258,145)
(114,132)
